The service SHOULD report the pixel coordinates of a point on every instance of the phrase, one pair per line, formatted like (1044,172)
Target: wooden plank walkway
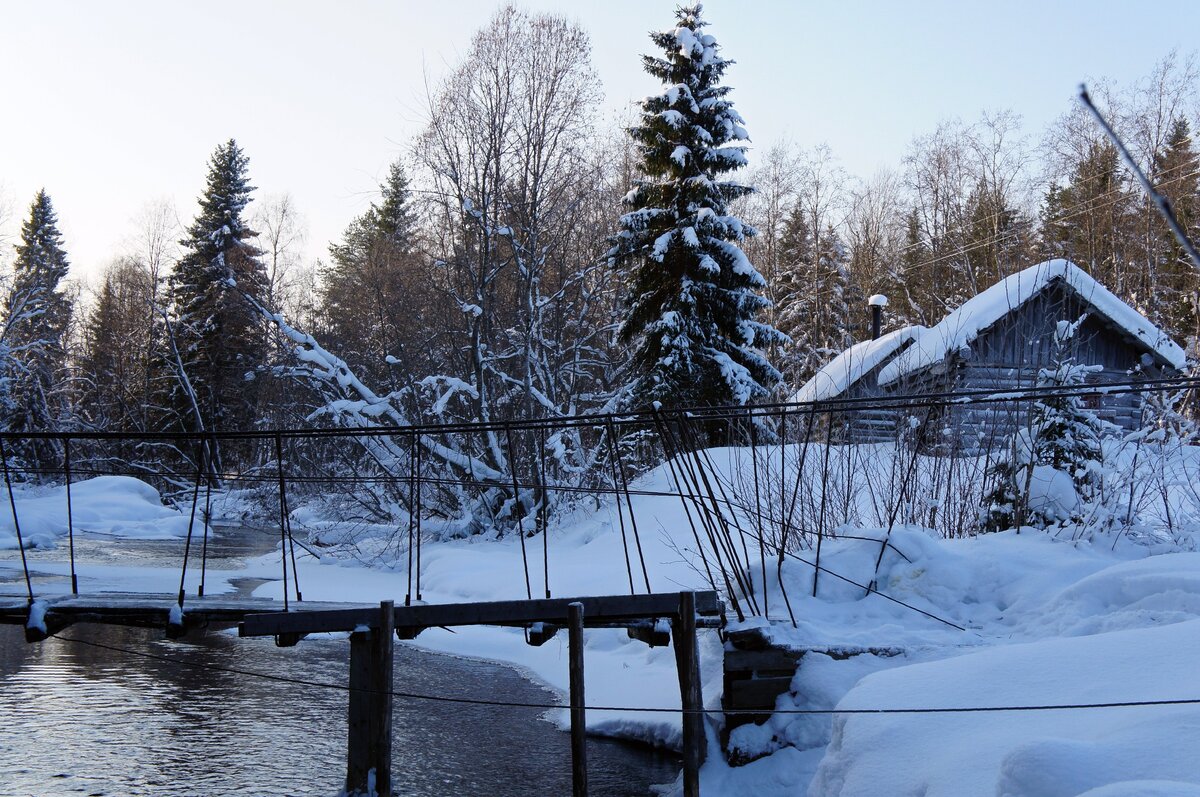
(150,610)
(599,612)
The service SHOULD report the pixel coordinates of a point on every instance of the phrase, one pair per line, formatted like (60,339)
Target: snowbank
(117,506)
(1032,753)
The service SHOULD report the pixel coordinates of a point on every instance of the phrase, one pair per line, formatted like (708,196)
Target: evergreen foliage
(219,337)
(1063,436)
(815,299)
(37,316)
(693,294)
(369,295)
(1176,172)
(118,351)
(1083,221)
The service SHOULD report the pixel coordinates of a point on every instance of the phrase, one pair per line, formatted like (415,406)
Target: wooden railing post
(381,725)
(369,741)
(359,721)
(687,661)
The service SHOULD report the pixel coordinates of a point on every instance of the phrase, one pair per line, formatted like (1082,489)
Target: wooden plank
(381,715)
(358,753)
(687,662)
(143,609)
(369,720)
(598,610)
(575,615)
(308,622)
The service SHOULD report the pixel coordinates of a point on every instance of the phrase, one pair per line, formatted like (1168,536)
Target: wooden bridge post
(687,661)
(369,743)
(579,786)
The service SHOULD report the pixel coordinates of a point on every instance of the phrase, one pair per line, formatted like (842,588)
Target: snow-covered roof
(849,366)
(958,329)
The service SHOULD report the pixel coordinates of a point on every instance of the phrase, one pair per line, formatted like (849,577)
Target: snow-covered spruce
(694,296)
(218,338)
(33,356)
(1050,475)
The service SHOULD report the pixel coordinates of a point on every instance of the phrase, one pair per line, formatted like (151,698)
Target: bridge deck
(149,610)
(265,616)
(598,612)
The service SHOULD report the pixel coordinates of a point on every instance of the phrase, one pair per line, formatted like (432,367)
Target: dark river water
(78,719)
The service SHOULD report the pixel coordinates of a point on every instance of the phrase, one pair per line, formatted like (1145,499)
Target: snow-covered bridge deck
(267,617)
(146,610)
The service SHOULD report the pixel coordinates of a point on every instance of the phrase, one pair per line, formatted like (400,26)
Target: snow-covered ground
(1047,622)
(113,506)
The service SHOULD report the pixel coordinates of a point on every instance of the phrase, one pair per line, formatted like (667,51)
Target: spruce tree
(1177,175)
(37,314)
(218,335)
(113,369)
(1063,435)
(1088,221)
(371,292)
(693,294)
(793,291)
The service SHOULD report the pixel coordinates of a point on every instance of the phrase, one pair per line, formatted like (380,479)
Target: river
(80,719)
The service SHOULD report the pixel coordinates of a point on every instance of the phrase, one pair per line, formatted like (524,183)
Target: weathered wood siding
(1004,357)
(867,424)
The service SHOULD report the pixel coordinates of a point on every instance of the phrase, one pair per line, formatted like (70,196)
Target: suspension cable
(12,502)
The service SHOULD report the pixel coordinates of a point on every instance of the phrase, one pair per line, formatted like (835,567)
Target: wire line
(640,709)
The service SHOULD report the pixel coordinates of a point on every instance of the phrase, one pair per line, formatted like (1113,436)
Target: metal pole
(282,519)
(207,519)
(517,508)
(12,502)
(70,519)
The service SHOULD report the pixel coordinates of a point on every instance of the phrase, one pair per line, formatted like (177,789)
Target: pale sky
(110,105)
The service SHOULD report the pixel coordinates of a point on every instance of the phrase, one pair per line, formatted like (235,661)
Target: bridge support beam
(579,785)
(369,743)
(687,660)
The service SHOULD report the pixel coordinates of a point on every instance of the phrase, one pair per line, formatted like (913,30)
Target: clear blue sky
(109,105)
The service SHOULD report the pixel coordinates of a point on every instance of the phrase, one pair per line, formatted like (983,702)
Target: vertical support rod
(207,517)
(543,512)
(419,510)
(287,518)
(412,511)
(517,509)
(579,786)
(612,459)
(687,661)
(283,524)
(70,515)
(12,502)
(637,538)
(187,545)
